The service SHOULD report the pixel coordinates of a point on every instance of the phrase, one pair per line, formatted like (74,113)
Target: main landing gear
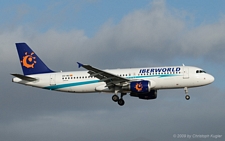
(120,100)
(187,97)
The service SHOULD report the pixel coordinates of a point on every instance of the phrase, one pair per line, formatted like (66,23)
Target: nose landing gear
(187,97)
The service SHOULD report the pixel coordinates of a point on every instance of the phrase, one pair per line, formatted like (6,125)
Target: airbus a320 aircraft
(139,82)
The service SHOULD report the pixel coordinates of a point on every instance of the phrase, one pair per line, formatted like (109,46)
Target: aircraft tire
(121,102)
(115,98)
(187,97)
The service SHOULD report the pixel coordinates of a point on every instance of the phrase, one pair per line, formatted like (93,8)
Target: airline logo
(28,60)
(138,87)
(155,70)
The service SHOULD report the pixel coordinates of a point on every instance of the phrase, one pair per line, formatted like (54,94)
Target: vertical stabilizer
(30,62)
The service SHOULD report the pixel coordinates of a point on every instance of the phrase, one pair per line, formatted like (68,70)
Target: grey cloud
(48,115)
(205,39)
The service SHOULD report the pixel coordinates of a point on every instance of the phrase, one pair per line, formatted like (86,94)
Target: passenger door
(185,72)
(52,79)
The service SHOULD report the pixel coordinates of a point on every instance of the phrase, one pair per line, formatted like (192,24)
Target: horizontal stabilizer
(23,77)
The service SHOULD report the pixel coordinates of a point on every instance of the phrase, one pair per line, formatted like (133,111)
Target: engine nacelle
(150,95)
(138,86)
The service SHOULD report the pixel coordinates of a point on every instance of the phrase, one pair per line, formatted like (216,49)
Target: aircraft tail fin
(30,62)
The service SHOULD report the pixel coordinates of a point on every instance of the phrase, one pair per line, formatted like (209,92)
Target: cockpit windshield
(200,71)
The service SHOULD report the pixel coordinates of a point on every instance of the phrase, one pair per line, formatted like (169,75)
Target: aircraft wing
(109,78)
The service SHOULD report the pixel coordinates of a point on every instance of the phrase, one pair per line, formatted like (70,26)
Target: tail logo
(28,60)
(139,87)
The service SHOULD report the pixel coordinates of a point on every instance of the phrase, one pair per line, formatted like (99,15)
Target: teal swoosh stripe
(54,87)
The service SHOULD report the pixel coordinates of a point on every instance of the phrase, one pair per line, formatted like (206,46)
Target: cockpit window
(203,71)
(200,71)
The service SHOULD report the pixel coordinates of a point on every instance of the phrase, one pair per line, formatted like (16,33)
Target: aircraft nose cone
(211,78)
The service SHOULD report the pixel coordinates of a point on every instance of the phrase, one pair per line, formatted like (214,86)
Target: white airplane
(139,82)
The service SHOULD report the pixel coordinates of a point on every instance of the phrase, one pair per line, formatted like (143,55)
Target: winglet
(79,65)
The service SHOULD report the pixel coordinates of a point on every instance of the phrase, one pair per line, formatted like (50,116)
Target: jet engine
(150,95)
(138,86)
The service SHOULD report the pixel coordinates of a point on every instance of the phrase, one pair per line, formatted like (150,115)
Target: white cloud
(206,41)
(146,36)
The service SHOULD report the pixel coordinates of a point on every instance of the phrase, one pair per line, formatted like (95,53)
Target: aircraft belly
(84,89)
(173,83)
(165,83)
(170,83)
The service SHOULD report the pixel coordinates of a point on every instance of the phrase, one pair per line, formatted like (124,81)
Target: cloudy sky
(113,34)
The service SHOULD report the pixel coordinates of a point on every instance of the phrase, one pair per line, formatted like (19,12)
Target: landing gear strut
(187,97)
(120,100)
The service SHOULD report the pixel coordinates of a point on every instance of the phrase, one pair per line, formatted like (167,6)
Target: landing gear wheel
(121,102)
(115,98)
(187,97)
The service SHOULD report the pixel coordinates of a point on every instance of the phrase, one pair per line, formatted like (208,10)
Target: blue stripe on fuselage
(55,87)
